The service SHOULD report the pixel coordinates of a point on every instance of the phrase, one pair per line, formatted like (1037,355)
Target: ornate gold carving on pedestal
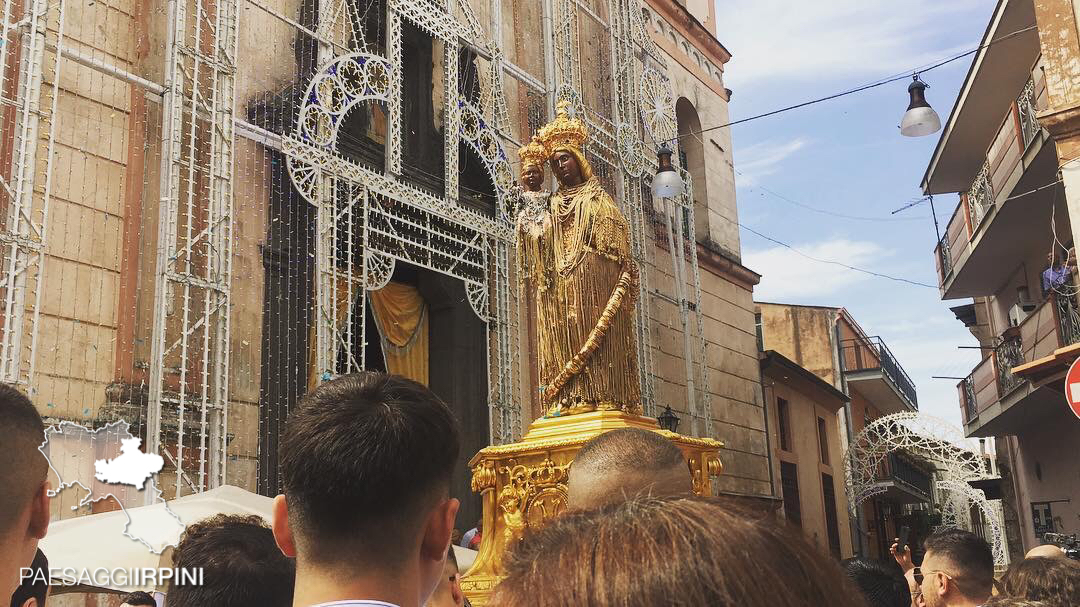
(523,485)
(531,496)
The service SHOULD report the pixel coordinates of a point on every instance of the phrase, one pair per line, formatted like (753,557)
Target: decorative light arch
(395,221)
(938,442)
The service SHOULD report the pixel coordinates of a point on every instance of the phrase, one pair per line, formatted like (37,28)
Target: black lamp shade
(668,420)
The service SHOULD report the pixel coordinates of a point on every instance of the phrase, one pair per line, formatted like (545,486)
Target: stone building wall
(696,61)
(99,300)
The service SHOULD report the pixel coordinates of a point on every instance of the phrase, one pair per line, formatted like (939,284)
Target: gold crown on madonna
(563,131)
(533,153)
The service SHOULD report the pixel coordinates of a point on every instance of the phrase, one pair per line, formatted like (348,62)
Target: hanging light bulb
(920,119)
(666,183)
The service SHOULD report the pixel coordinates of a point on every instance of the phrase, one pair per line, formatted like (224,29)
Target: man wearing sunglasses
(957,570)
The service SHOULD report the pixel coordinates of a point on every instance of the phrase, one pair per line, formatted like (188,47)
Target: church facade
(212,205)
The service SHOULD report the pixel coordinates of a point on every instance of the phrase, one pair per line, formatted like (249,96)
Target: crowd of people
(366,520)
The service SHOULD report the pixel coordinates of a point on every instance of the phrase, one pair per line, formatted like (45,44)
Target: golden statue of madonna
(575,258)
(582,284)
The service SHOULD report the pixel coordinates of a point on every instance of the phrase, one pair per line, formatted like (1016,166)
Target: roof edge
(969,80)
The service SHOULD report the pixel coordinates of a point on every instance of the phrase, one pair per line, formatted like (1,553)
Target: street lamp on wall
(666,183)
(668,420)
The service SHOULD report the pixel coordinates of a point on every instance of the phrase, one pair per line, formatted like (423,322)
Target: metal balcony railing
(871,353)
(970,404)
(896,468)
(1068,317)
(1025,105)
(945,256)
(1008,354)
(981,196)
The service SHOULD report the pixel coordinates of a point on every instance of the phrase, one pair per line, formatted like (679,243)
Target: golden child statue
(586,284)
(534,221)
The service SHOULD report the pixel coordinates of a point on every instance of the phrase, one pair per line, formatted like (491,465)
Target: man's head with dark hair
(1056,581)
(34,586)
(242,566)
(957,569)
(24,488)
(365,462)
(138,599)
(881,585)
(622,463)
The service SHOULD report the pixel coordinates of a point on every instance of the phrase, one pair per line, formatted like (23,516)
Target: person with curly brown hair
(672,551)
(1055,581)
(242,566)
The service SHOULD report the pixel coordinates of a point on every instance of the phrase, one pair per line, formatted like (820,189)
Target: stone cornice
(678,16)
(1062,123)
(723,265)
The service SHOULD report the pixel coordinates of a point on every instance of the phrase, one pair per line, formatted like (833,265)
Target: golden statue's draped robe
(577,262)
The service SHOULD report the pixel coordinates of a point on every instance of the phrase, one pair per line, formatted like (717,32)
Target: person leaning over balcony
(1060,270)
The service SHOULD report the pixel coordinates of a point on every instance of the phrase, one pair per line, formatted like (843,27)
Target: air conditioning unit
(1020,311)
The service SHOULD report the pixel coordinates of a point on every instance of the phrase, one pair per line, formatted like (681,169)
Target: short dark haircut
(242,565)
(22,466)
(630,449)
(139,599)
(1054,581)
(881,585)
(971,559)
(363,457)
(33,586)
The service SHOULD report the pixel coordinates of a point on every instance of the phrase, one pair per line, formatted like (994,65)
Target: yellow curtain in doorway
(401,315)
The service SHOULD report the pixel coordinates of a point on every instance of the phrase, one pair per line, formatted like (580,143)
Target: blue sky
(847,156)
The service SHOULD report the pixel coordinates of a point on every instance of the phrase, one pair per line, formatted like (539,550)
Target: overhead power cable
(834,262)
(859,89)
(824,211)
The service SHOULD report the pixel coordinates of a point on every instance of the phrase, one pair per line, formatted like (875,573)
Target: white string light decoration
(942,445)
(193,211)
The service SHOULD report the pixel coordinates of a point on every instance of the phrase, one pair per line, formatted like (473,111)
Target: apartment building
(870,383)
(1006,262)
(805,411)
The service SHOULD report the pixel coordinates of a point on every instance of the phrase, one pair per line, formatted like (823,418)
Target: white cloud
(782,40)
(790,277)
(763,159)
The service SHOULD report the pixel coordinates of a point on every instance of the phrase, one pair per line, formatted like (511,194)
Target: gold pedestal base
(523,485)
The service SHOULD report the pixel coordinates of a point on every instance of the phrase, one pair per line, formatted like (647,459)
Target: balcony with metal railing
(998,209)
(995,396)
(871,369)
(902,481)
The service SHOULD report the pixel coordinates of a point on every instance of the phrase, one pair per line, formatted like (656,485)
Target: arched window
(692,158)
